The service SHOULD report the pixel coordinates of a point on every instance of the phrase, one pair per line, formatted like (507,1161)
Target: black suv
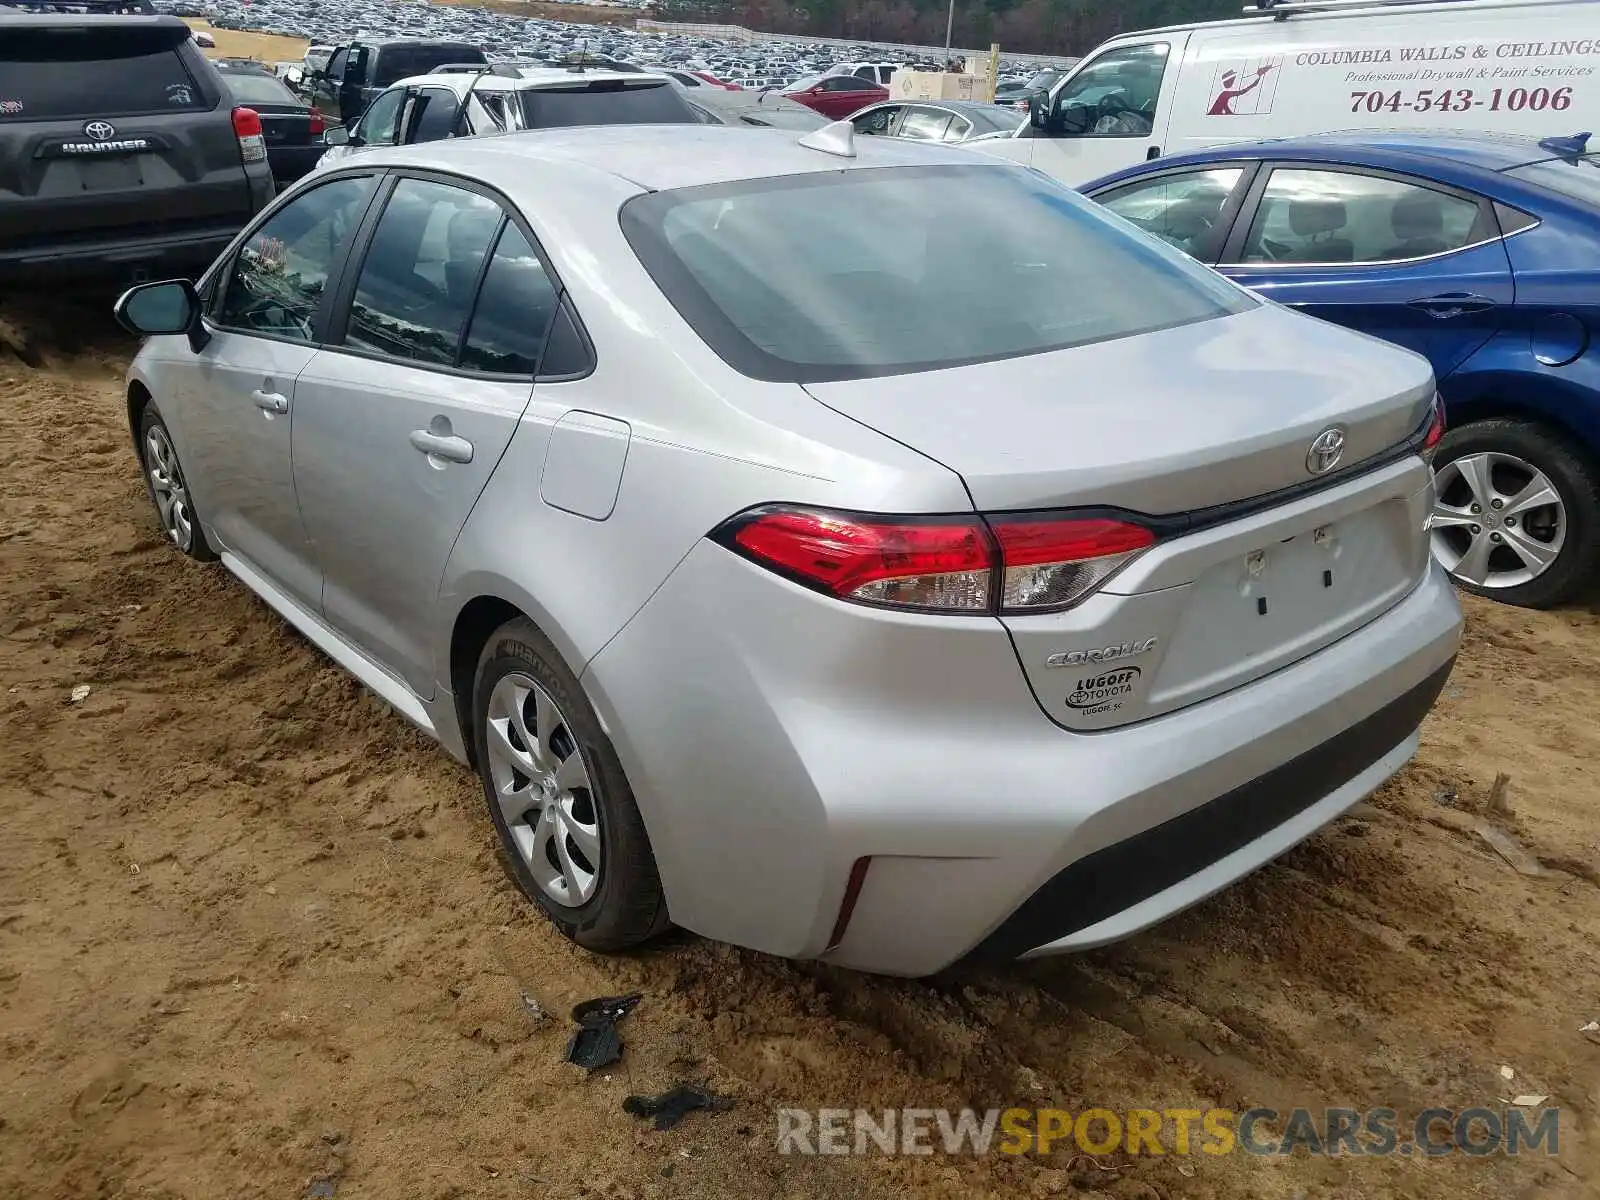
(356,73)
(121,157)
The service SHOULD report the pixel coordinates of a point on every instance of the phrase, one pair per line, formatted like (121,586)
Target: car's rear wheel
(169,488)
(570,833)
(1517,515)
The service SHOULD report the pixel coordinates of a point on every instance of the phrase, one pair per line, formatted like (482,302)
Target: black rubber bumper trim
(1121,875)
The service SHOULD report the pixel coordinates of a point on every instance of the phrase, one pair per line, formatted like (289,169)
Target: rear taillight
(319,123)
(1013,563)
(1435,431)
(247,128)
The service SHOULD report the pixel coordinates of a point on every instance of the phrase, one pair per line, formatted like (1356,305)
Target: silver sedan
(845,548)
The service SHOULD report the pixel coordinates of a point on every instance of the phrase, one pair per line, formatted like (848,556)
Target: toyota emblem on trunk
(99,131)
(1326,449)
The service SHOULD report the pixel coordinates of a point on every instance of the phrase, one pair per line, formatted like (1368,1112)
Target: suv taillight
(247,128)
(1009,563)
(319,123)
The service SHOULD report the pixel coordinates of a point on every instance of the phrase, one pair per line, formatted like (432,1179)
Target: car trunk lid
(1205,433)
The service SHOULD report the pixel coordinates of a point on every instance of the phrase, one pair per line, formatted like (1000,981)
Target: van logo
(99,131)
(1245,87)
(1326,450)
(1101,654)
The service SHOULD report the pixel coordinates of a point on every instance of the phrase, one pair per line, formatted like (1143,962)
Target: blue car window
(1183,210)
(1331,217)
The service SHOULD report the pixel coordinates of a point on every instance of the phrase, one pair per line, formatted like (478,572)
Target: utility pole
(949,26)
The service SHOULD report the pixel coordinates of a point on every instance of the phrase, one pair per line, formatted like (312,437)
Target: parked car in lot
(936,120)
(507,99)
(760,109)
(293,130)
(653,472)
(358,72)
(835,96)
(149,172)
(1475,251)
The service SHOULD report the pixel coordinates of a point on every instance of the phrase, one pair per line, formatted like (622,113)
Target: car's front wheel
(1518,513)
(570,833)
(169,488)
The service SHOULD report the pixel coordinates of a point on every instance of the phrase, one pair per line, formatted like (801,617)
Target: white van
(1314,66)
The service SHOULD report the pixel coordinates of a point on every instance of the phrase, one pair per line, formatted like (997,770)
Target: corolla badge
(1101,654)
(1325,451)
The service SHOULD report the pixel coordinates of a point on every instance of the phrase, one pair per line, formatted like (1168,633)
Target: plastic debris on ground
(597,1043)
(674,1104)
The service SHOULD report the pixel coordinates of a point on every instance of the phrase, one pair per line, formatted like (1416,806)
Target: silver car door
(399,425)
(239,412)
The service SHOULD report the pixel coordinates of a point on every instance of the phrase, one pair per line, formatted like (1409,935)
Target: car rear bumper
(113,258)
(775,737)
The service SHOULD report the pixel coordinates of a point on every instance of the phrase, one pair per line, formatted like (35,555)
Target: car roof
(661,157)
(18,20)
(530,79)
(1378,147)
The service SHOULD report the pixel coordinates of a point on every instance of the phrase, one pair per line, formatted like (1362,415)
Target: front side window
(1115,95)
(380,124)
(335,68)
(1182,210)
(925,124)
(877,120)
(1310,216)
(849,274)
(417,282)
(276,282)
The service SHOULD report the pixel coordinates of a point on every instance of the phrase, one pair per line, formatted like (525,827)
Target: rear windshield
(1577,178)
(56,78)
(400,62)
(258,89)
(848,274)
(605,102)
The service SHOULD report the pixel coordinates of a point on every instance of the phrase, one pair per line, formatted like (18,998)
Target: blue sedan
(1481,252)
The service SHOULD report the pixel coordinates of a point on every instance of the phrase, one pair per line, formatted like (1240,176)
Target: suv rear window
(606,102)
(848,274)
(401,62)
(67,78)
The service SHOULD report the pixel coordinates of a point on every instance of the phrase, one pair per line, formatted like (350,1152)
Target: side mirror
(337,135)
(1038,102)
(155,309)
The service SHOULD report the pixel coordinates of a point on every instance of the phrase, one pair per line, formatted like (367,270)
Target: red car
(715,82)
(836,96)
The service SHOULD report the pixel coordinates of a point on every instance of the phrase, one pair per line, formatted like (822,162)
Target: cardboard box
(940,85)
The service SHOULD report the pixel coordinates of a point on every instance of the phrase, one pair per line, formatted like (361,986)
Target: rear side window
(849,274)
(514,310)
(59,78)
(421,271)
(1332,217)
(399,62)
(606,102)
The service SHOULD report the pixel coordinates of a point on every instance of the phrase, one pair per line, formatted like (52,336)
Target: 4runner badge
(1103,654)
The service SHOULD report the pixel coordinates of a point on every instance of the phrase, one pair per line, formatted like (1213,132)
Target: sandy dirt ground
(235,43)
(254,940)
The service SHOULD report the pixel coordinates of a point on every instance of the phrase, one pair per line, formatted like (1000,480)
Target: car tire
(530,721)
(169,489)
(1497,461)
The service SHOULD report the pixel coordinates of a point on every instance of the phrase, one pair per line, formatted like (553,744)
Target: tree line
(1020,26)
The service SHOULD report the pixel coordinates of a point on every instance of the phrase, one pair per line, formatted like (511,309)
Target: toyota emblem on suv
(99,131)
(1326,449)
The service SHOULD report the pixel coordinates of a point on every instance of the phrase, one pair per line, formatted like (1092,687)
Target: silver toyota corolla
(864,552)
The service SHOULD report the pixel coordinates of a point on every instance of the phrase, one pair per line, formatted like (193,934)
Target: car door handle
(1453,304)
(271,402)
(438,445)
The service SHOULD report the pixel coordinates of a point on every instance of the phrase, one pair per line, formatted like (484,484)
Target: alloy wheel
(542,786)
(171,493)
(1498,521)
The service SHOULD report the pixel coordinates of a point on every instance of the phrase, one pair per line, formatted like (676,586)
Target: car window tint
(421,270)
(566,353)
(1184,210)
(433,115)
(247,87)
(925,124)
(877,120)
(608,102)
(1312,216)
(1116,94)
(44,76)
(847,274)
(513,312)
(400,62)
(278,278)
(335,67)
(380,124)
